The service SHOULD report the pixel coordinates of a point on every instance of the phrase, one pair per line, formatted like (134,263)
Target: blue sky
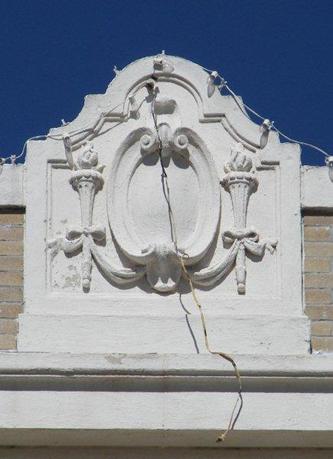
(276,54)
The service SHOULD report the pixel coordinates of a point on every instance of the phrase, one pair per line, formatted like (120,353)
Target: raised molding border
(162,261)
(187,74)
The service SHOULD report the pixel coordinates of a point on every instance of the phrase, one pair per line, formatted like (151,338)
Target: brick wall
(318,279)
(11,275)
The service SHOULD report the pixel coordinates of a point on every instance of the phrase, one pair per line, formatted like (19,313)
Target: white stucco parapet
(111,345)
(317,189)
(102,268)
(11,185)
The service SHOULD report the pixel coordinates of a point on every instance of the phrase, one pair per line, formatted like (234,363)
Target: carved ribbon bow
(87,179)
(250,239)
(247,241)
(240,181)
(75,234)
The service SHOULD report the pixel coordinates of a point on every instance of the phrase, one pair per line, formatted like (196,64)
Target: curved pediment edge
(115,104)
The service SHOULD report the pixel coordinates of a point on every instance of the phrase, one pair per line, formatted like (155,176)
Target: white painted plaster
(317,189)
(11,185)
(40,363)
(119,400)
(171,418)
(117,282)
(118,365)
(163,334)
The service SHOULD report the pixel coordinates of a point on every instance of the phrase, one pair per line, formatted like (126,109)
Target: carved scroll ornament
(155,250)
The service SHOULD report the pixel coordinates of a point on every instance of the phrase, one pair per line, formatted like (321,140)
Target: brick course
(318,279)
(11,275)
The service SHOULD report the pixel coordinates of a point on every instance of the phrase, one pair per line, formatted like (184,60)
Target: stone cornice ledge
(25,363)
(164,400)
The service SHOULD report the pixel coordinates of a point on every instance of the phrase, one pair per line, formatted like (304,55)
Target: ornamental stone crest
(161,185)
(137,228)
(161,228)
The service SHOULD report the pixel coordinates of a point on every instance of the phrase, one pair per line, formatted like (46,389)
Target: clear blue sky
(276,54)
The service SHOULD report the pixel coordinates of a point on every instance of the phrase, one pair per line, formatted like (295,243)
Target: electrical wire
(305,144)
(212,73)
(180,255)
(224,84)
(60,137)
(166,191)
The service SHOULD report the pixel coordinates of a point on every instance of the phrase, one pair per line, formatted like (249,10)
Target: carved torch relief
(240,181)
(86,178)
(139,216)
